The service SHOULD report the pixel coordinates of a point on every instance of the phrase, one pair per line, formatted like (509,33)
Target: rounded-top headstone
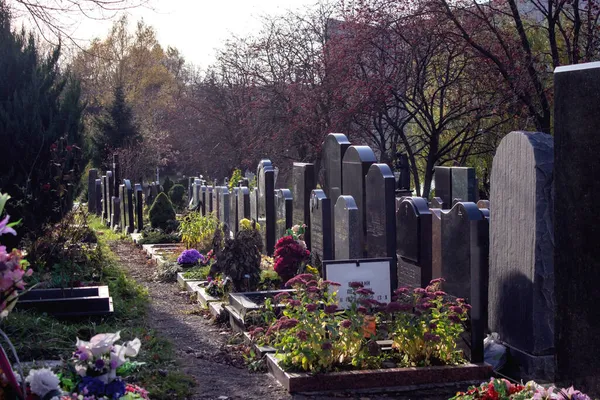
(521,292)
(332,154)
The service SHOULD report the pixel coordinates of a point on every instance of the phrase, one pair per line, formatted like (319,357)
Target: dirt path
(202,346)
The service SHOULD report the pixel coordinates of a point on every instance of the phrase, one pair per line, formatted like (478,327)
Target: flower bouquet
(291,254)
(93,373)
(502,389)
(190,258)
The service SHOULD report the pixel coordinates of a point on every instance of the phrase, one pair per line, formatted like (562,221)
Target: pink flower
(4,228)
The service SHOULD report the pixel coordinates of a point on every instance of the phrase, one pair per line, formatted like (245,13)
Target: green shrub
(161,212)
(167,185)
(235,178)
(199,273)
(176,194)
(197,231)
(156,236)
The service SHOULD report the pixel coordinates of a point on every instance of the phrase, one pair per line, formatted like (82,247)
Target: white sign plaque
(373,274)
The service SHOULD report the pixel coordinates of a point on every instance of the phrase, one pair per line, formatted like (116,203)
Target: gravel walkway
(202,346)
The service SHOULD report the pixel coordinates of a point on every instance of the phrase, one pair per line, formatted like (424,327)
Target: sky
(194,27)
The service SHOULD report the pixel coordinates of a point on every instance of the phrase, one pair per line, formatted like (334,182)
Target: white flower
(99,344)
(42,381)
(128,349)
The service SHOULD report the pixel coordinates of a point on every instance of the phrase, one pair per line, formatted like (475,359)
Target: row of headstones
(118,204)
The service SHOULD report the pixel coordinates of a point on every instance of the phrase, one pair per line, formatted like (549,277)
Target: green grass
(42,337)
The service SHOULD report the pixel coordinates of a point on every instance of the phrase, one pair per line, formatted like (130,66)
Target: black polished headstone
(254,205)
(576,218)
(414,242)
(284,211)
(128,199)
(224,207)
(347,232)
(266,203)
(116,174)
(123,203)
(321,232)
(355,166)
(104,189)
(139,208)
(443,185)
(233,210)
(202,199)
(304,181)
(98,199)
(110,194)
(92,176)
(380,212)
(216,195)
(210,199)
(464,184)
(115,220)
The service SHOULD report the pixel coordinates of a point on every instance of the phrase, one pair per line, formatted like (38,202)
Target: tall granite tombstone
(202,199)
(321,228)
(254,205)
(464,184)
(115,220)
(224,208)
(380,212)
(576,218)
(266,203)
(116,174)
(210,199)
(128,199)
(104,189)
(304,181)
(443,185)
(347,234)
(521,292)
(124,223)
(98,197)
(233,210)
(216,205)
(110,194)
(284,211)
(139,208)
(414,242)
(92,176)
(244,203)
(355,166)
(191,181)
(334,149)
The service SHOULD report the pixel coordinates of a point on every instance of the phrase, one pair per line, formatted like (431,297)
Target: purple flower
(190,256)
(402,290)
(287,323)
(281,296)
(356,285)
(115,389)
(326,346)
(346,323)
(4,228)
(331,283)
(430,337)
(311,307)
(99,364)
(365,292)
(393,307)
(312,283)
(362,310)
(433,326)
(439,293)
(331,308)
(313,289)
(424,305)
(457,310)
(295,303)
(302,335)
(419,291)
(454,318)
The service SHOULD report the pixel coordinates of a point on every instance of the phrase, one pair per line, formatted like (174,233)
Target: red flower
(69,148)
(53,147)
(46,187)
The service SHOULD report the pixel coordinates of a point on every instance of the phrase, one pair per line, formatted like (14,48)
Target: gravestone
(233,210)
(210,199)
(443,185)
(334,148)
(244,203)
(92,176)
(414,242)
(403,173)
(104,189)
(266,203)
(217,190)
(110,194)
(303,177)
(347,234)
(576,218)
(521,293)
(98,197)
(115,220)
(464,184)
(437,202)
(128,199)
(355,166)
(456,255)
(202,199)
(254,205)
(116,174)
(124,223)
(284,211)
(381,212)
(321,228)
(139,208)
(191,181)
(224,207)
